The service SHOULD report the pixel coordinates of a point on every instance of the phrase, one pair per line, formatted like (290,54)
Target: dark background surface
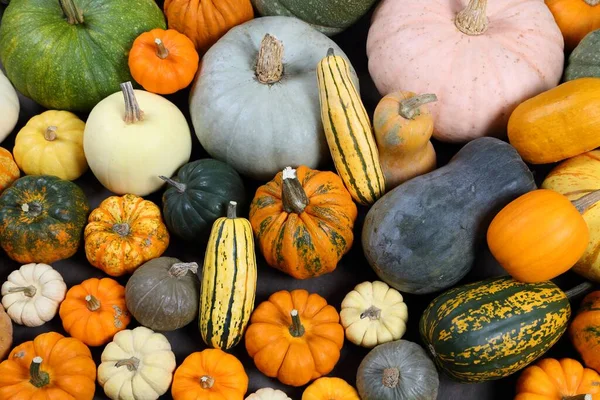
(353,268)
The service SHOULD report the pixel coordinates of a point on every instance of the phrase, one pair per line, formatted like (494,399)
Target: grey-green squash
(422,237)
(584,61)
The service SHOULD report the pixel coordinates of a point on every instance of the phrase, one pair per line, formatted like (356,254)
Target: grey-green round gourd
(399,370)
(584,61)
(163,294)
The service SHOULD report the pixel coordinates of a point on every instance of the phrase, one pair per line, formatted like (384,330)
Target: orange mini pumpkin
(303,220)
(540,235)
(94,311)
(295,337)
(575,18)
(9,171)
(49,367)
(210,374)
(123,233)
(330,389)
(163,61)
(584,330)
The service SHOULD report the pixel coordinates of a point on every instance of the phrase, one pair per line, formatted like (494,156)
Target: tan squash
(6,333)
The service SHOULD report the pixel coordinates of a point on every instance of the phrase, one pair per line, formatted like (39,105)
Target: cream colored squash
(52,144)
(132,138)
(9,107)
(32,294)
(137,364)
(373,313)
(268,394)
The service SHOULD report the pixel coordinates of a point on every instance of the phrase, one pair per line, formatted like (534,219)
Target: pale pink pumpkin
(480,65)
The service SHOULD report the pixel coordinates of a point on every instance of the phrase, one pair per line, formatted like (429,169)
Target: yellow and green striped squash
(490,329)
(228,281)
(348,131)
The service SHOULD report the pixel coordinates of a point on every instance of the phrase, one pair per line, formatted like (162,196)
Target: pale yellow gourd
(9,104)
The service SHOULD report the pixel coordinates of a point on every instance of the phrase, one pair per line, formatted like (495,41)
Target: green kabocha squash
(70,54)
(327,16)
(584,61)
(423,236)
(493,328)
(198,195)
(162,294)
(42,219)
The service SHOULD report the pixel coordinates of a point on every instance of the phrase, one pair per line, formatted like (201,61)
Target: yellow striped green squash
(228,281)
(348,131)
(490,329)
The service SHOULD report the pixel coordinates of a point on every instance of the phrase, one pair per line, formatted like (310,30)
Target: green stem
(473,20)
(39,378)
(409,108)
(207,381)
(585,202)
(132,363)
(232,210)
(373,313)
(133,113)
(296,329)
(578,397)
(50,133)
(73,14)
(92,303)
(122,229)
(161,51)
(293,196)
(579,289)
(28,291)
(180,187)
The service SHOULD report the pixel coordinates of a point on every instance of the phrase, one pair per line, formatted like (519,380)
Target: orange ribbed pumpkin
(205,21)
(9,171)
(575,18)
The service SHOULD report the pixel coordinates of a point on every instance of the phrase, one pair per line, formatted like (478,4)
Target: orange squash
(308,204)
(9,171)
(403,127)
(575,18)
(49,367)
(94,311)
(295,337)
(551,379)
(584,330)
(557,124)
(210,374)
(123,233)
(163,61)
(330,389)
(540,235)
(205,21)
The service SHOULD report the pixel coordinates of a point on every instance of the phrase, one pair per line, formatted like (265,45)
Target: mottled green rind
(72,67)
(210,186)
(584,61)
(491,329)
(327,16)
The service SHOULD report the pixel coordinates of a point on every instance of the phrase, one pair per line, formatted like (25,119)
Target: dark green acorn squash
(70,54)
(327,16)
(198,195)
(423,236)
(584,61)
(490,329)
(42,219)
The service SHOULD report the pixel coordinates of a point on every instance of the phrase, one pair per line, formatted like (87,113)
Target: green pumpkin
(327,16)
(584,61)
(70,54)
(42,219)
(198,195)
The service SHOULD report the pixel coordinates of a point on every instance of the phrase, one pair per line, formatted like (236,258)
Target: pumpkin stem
(373,313)
(585,202)
(410,108)
(391,377)
(132,108)
(592,2)
(33,210)
(28,291)
(579,289)
(180,187)
(269,66)
(578,397)
(73,14)
(180,269)
(296,329)
(207,381)
(293,195)
(132,363)
(38,378)
(472,20)
(232,210)
(161,50)
(92,303)
(50,133)
(121,229)
(330,52)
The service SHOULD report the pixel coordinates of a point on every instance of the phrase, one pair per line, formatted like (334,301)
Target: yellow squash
(228,281)
(348,131)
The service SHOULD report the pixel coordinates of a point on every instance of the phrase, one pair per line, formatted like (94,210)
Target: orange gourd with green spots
(9,171)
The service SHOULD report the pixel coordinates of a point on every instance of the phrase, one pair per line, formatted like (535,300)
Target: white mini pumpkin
(32,294)
(137,364)
(9,104)
(268,394)
(373,313)
(133,137)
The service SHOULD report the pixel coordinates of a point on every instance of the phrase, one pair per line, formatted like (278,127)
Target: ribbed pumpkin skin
(490,329)
(228,283)
(348,131)
(51,229)
(584,330)
(209,186)
(87,62)
(9,171)
(575,18)
(584,61)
